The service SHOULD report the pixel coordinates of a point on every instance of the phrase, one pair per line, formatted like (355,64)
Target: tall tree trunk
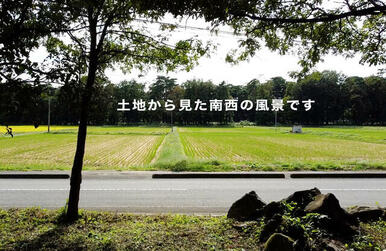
(76,172)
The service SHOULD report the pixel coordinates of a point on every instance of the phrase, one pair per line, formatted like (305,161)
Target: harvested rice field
(106,148)
(197,148)
(267,145)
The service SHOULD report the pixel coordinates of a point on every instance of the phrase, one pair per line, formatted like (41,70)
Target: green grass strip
(39,229)
(171,151)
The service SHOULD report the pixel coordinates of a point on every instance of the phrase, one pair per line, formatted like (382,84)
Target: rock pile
(306,220)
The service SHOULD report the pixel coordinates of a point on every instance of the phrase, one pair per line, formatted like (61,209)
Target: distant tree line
(339,100)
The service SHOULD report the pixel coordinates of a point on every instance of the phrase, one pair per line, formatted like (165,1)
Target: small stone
(331,245)
(241,226)
(366,214)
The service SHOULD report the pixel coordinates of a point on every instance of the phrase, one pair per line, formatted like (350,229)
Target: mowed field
(197,149)
(268,146)
(106,148)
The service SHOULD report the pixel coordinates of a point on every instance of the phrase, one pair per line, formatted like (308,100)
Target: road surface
(191,196)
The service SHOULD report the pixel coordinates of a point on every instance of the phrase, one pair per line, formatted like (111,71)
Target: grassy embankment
(198,149)
(33,229)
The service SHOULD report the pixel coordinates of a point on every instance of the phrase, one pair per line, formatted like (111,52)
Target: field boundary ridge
(108,174)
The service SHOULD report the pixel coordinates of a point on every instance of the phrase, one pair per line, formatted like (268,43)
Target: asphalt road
(192,196)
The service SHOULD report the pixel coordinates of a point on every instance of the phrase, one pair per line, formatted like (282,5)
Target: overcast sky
(263,66)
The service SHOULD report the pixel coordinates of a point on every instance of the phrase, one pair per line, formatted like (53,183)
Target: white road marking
(353,189)
(92,189)
(177,206)
(225,208)
(165,189)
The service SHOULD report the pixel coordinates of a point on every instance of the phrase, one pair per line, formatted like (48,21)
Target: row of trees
(84,38)
(339,100)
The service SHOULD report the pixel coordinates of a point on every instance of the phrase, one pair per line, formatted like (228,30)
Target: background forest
(339,100)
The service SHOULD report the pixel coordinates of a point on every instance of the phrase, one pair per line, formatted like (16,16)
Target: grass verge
(171,154)
(34,229)
(190,165)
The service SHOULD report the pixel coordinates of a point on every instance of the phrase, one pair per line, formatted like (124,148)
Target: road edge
(34,176)
(189,175)
(338,175)
(202,175)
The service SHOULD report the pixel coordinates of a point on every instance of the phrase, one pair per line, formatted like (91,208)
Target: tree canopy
(78,32)
(85,37)
(310,29)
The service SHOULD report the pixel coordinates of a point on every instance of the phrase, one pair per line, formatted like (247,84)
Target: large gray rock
(327,204)
(279,242)
(303,198)
(244,208)
(272,208)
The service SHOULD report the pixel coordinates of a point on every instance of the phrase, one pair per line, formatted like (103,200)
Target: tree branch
(328,18)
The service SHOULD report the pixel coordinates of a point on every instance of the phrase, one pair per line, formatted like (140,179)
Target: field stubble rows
(270,145)
(157,148)
(117,148)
